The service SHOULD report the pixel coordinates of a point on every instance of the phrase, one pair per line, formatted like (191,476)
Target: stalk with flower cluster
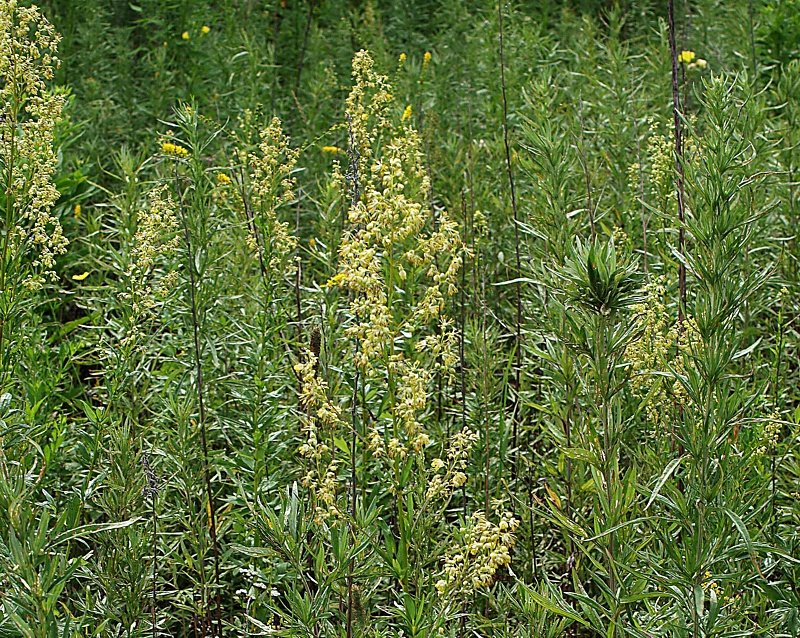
(32,237)
(399,274)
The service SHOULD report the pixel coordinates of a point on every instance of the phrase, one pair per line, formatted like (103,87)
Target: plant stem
(679,179)
(517,258)
(200,401)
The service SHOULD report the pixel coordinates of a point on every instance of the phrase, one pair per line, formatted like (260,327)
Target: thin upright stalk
(355,195)
(353,494)
(679,189)
(643,212)
(587,178)
(301,60)
(9,221)
(152,491)
(517,258)
(212,523)
(751,24)
(462,322)
(679,174)
(775,404)
(298,280)
(265,279)
(606,421)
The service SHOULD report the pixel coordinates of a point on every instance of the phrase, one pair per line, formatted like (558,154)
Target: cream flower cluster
(320,416)
(28,116)
(399,262)
(770,435)
(485,548)
(156,236)
(388,242)
(659,348)
(273,185)
(449,475)
(658,164)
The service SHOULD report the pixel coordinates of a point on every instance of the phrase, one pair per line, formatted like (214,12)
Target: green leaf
(552,606)
(88,530)
(663,479)
(742,528)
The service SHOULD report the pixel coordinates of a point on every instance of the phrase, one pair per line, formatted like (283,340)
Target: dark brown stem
(355,196)
(301,61)
(298,280)
(751,23)
(462,321)
(517,258)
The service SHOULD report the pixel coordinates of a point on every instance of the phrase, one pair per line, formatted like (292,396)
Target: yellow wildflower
(426,58)
(331,149)
(686,57)
(77,211)
(205,29)
(174,149)
(185,35)
(80,277)
(337,280)
(223,179)
(407,113)
(402,58)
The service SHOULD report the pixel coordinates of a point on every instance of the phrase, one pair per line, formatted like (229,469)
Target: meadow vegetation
(422,319)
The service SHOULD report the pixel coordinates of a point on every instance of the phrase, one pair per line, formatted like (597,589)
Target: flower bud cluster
(770,435)
(659,348)
(272,185)
(449,475)
(29,112)
(474,561)
(399,263)
(320,416)
(156,237)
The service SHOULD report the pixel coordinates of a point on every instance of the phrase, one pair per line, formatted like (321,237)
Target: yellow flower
(173,149)
(223,179)
(426,58)
(337,280)
(402,58)
(77,211)
(80,277)
(331,149)
(407,113)
(686,57)
(205,29)
(185,35)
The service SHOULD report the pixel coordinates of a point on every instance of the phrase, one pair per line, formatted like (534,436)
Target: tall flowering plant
(30,234)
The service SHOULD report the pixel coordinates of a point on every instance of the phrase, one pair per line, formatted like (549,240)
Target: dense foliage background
(375,318)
